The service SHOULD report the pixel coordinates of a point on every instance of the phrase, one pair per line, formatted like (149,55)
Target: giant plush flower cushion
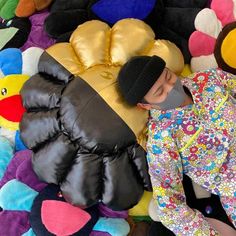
(213,43)
(83,135)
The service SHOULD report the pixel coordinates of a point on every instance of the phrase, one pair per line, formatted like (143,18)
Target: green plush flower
(7,8)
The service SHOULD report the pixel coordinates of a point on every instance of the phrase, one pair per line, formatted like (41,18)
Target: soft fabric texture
(74,18)
(187,3)
(224,10)
(214,42)
(11,61)
(99,233)
(6,154)
(114,226)
(11,107)
(114,10)
(14,223)
(209,15)
(107,212)
(26,8)
(225,48)
(19,145)
(37,36)
(86,141)
(203,62)
(152,210)
(30,232)
(26,175)
(54,213)
(10,172)
(40,215)
(186,71)
(138,75)
(20,168)
(9,134)
(174,20)
(142,228)
(141,209)
(14,102)
(6,35)
(30,60)
(7,8)
(169,19)
(42,4)
(23,25)
(141,218)
(15,195)
(206,46)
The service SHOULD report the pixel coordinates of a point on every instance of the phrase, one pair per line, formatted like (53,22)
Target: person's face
(159,91)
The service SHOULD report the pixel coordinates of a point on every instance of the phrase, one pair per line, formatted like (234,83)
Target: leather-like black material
(51,67)
(83,183)
(53,160)
(121,187)
(40,121)
(38,92)
(136,153)
(80,142)
(90,121)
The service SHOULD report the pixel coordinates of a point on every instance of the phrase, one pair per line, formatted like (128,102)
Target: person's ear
(145,106)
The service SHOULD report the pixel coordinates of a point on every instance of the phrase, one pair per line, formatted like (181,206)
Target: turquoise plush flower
(6,154)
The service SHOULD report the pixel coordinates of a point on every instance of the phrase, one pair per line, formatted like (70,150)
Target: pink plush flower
(214,36)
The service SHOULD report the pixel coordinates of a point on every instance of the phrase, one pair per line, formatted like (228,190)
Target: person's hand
(221,227)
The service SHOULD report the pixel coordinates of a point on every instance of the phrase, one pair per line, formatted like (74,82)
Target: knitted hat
(138,75)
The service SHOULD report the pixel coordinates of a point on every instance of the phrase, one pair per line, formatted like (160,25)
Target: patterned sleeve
(228,80)
(165,169)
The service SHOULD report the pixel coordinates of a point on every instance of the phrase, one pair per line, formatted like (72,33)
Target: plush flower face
(226,47)
(212,44)
(11,108)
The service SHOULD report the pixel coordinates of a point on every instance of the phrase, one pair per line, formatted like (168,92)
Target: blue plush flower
(113,10)
(11,61)
(15,195)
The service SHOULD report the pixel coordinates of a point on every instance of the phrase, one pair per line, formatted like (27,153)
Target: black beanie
(138,75)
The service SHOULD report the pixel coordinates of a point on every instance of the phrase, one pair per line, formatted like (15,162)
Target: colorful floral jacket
(198,140)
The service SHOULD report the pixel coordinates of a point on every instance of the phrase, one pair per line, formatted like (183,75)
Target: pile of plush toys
(72,151)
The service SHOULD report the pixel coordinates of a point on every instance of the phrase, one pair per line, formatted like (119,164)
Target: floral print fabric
(198,140)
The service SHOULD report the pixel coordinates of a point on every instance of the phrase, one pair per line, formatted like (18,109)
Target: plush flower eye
(4,91)
(9,23)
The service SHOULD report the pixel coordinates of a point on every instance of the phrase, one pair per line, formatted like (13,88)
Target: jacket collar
(195,84)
